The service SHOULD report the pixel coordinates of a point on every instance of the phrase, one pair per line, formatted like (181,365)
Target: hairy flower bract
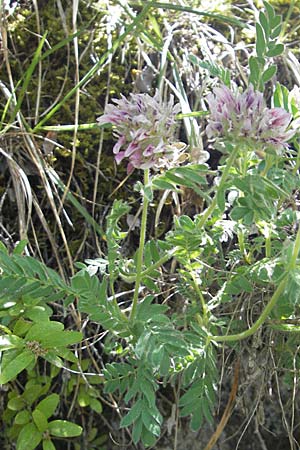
(246,117)
(145,127)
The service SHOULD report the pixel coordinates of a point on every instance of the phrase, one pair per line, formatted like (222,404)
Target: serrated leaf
(64,429)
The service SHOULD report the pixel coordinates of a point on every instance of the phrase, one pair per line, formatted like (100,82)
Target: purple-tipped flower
(145,128)
(245,117)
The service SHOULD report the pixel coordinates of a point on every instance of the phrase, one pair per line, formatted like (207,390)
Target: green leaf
(48,445)
(29,437)
(64,428)
(32,392)
(19,248)
(270,10)
(148,438)
(10,341)
(137,430)
(83,397)
(16,403)
(269,73)
(13,368)
(3,249)
(96,405)
(197,419)
(264,23)
(48,405)
(133,414)
(275,21)
(52,358)
(254,71)
(147,388)
(40,420)
(41,330)
(22,326)
(163,185)
(276,32)
(221,199)
(40,313)
(275,51)
(148,193)
(61,339)
(260,40)
(22,418)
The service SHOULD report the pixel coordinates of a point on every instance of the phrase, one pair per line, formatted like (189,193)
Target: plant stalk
(139,264)
(264,315)
(224,176)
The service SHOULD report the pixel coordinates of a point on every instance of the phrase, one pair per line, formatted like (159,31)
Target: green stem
(201,298)
(264,315)
(296,250)
(268,246)
(243,250)
(207,213)
(139,264)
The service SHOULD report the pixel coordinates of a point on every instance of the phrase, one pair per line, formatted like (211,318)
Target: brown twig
(227,412)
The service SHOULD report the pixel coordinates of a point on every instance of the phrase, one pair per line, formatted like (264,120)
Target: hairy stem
(207,213)
(139,264)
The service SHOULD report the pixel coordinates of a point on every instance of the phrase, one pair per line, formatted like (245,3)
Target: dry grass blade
(23,193)
(227,412)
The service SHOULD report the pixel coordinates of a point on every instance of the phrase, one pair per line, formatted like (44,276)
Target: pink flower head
(145,127)
(245,117)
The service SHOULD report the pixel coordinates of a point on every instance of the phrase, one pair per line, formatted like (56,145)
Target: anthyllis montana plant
(162,343)
(190,288)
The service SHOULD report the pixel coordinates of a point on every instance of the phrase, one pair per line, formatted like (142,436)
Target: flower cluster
(145,128)
(245,117)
